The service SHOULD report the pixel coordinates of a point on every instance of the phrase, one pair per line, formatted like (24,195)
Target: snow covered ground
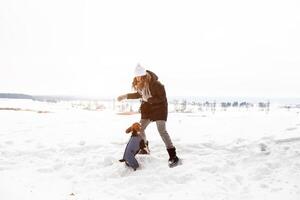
(72,154)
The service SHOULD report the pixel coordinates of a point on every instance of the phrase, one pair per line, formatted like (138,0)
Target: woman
(154,107)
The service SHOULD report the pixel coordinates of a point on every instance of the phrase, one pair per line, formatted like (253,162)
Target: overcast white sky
(205,48)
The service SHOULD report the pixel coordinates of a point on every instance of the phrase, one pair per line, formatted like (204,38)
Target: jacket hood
(153,75)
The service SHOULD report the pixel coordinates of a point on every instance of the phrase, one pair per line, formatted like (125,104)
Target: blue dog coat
(133,146)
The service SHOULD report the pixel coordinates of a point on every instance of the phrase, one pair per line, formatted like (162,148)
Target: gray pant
(161,127)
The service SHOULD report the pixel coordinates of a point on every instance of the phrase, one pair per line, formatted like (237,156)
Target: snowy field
(56,152)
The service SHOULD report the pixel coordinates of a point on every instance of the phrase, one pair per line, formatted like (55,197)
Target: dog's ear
(129,130)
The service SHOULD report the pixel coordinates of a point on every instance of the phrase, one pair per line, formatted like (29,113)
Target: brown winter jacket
(157,106)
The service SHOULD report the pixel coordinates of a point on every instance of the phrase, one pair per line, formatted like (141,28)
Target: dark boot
(144,148)
(173,160)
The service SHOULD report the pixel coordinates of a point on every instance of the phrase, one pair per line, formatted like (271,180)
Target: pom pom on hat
(139,71)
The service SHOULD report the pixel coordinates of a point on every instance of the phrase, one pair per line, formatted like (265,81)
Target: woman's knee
(144,124)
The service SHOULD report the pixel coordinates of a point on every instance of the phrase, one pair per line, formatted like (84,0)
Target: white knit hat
(139,71)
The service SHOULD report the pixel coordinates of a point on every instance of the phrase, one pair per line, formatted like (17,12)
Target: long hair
(139,85)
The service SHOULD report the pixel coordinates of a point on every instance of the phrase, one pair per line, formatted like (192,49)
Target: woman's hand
(122,97)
